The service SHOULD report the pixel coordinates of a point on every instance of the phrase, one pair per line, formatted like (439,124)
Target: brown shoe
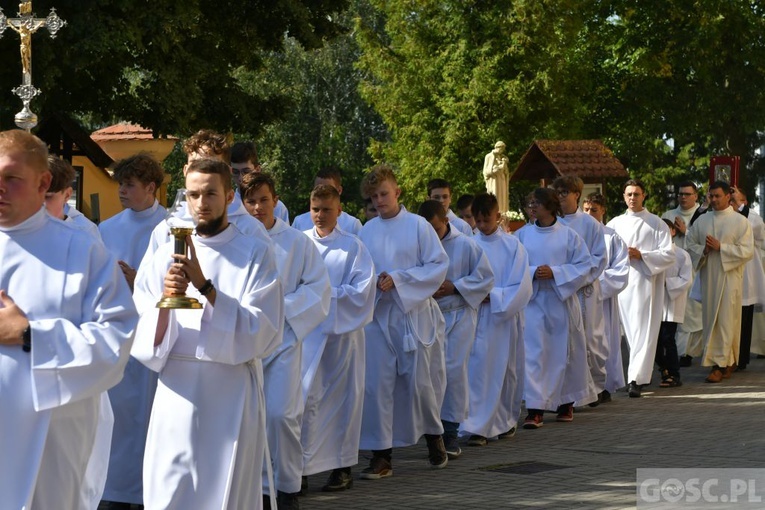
(729,371)
(715,376)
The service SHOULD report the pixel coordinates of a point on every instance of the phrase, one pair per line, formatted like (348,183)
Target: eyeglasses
(562,192)
(685,194)
(532,203)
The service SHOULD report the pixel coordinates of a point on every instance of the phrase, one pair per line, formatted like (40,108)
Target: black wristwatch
(26,337)
(206,288)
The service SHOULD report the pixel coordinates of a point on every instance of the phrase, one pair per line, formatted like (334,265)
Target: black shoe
(452,446)
(287,500)
(476,440)
(114,505)
(633,390)
(596,403)
(510,433)
(739,368)
(685,360)
(437,452)
(339,480)
(379,467)
(604,397)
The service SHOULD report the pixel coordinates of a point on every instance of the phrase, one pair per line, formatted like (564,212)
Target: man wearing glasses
(688,337)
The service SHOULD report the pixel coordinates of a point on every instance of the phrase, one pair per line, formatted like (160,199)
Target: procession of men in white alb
(319,339)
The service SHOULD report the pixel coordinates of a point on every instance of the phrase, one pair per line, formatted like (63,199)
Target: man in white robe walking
(126,235)
(468,282)
(307,297)
(333,353)
(720,244)
(206,441)
(641,304)
(569,189)
(497,358)
(405,368)
(63,341)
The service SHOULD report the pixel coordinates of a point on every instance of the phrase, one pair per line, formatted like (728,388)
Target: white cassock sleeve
(510,296)
(74,361)
(694,246)
(679,282)
(738,252)
(476,285)
(661,258)
(353,301)
(308,305)
(235,330)
(415,284)
(598,252)
(571,276)
(615,277)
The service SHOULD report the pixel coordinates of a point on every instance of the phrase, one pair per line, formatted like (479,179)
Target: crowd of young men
(313,341)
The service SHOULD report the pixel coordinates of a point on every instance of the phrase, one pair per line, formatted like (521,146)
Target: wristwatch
(26,337)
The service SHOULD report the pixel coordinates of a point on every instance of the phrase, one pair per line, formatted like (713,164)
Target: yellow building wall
(96,180)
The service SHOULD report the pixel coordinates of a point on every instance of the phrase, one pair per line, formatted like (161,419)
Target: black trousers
(747,318)
(666,349)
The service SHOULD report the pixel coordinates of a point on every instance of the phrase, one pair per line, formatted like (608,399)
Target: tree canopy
(164,64)
(666,84)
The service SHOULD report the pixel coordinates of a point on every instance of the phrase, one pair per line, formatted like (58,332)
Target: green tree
(325,122)
(450,78)
(164,64)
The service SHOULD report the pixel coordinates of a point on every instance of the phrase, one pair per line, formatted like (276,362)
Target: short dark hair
(330,173)
(572,183)
(432,208)
(464,201)
(63,174)
(212,167)
(595,198)
(253,181)
(142,167)
(688,184)
(324,191)
(438,183)
(669,224)
(720,185)
(207,141)
(634,182)
(484,204)
(244,152)
(548,198)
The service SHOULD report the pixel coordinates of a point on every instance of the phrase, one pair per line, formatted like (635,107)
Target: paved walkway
(589,463)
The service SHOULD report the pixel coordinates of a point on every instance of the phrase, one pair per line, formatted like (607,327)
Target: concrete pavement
(589,463)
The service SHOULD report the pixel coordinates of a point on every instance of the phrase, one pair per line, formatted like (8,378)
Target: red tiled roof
(548,159)
(124,131)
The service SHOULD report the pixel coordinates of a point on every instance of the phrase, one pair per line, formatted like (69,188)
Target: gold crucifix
(25,25)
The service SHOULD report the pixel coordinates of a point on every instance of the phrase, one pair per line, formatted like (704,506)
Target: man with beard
(206,440)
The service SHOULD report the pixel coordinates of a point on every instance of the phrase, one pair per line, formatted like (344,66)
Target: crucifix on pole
(25,25)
